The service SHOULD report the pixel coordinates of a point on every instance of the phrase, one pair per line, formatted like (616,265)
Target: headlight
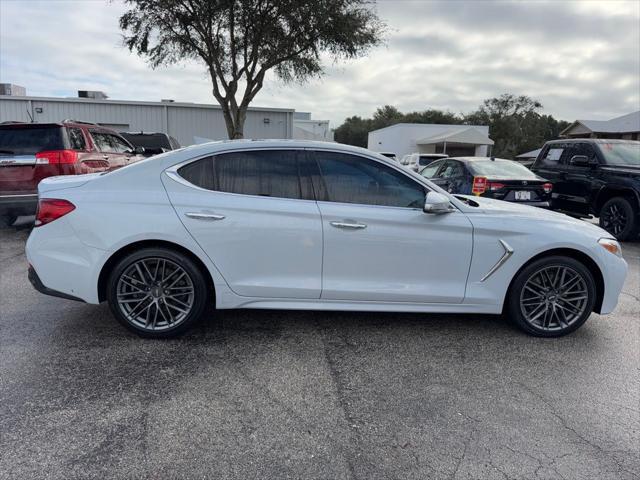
(611,245)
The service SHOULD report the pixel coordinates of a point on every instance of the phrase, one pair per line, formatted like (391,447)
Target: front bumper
(614,274)
(18,204)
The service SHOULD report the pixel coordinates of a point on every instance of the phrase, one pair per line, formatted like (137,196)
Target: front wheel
(618,218)
(552,296)
(157,292)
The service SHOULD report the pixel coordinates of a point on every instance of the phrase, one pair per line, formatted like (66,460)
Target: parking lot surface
(288,394)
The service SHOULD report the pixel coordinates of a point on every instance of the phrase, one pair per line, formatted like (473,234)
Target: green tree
(354,131)
(515,124)
(239,41)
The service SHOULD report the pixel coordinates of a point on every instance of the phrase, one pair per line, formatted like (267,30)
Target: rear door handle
(349,225)
(204,216)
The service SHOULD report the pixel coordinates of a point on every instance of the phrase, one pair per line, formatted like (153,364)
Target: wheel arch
(582,257)
(607,193)
(125,250)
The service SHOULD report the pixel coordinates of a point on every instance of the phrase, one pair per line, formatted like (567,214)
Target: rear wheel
(552,296)
(157,292)
(618,218)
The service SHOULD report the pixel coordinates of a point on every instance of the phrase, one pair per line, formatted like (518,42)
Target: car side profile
(309,225)
(30,152)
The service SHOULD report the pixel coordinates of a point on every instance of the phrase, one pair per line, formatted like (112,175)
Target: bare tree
(239,41)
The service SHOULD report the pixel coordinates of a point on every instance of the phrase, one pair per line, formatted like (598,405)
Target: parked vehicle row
(490,177)
(309,225)
(30,152)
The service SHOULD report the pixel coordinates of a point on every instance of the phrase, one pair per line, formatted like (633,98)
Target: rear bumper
(39,286)
(18,204)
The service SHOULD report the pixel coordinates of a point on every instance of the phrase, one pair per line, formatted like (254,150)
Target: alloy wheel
(614,219)
(554,298)
(155,294)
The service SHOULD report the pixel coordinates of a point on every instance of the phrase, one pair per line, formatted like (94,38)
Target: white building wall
(184,121)
(401,138)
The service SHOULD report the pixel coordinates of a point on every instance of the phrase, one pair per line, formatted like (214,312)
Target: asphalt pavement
(255,394)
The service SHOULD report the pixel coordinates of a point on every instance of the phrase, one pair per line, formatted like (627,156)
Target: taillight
(50,209)
(547,187)
(54,157)
(495,186)
(479,185)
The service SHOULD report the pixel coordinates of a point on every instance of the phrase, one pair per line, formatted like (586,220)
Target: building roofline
(430,124)
(135,102)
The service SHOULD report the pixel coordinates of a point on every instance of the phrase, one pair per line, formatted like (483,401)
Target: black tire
(520,300)
(619,218)
(198,297)
(7,220)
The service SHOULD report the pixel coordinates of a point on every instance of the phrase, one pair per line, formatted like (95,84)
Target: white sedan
(305,225)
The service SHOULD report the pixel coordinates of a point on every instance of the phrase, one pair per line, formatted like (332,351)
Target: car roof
(591,140)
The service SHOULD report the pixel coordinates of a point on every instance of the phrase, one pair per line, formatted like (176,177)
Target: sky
(581,59)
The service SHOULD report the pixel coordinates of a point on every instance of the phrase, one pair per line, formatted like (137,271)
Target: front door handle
(204,216)
(349,225)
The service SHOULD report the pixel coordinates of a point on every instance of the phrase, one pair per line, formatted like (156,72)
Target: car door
(550,165)
(576,186)
(254,214)
(379,245)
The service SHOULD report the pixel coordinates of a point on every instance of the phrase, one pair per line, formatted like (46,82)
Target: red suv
(30,152)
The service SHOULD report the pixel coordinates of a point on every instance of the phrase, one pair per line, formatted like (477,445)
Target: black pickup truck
(598,177)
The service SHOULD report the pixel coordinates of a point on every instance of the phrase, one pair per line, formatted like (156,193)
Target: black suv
(153,143)
(598,177)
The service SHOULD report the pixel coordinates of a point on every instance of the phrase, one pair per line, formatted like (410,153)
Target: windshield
(500,169)
(621,153)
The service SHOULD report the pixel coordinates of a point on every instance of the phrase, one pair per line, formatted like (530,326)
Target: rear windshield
(424,161)
(621,153)
(25,141)
(505,169)
(148,141)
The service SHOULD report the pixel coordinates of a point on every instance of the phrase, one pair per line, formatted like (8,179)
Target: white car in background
(309,225)
(417,161)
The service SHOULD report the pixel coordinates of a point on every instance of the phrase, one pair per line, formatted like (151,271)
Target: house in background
(626,127)
(453,140)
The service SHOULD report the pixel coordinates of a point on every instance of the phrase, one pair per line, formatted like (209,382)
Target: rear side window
(267,173)
(26,141)
(76,139)
(552,155)
(353,179)
(452,169)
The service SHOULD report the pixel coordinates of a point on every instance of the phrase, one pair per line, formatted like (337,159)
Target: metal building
(187,122)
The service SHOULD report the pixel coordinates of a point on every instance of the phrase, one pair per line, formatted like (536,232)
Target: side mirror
(437,203)
(581,161)
(139,150)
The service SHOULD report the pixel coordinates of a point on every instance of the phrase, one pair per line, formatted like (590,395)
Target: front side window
(119,144)
(452,169)
(267,173)
(353,179)
(623,153)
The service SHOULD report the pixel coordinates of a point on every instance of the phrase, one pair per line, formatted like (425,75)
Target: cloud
(580,59)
